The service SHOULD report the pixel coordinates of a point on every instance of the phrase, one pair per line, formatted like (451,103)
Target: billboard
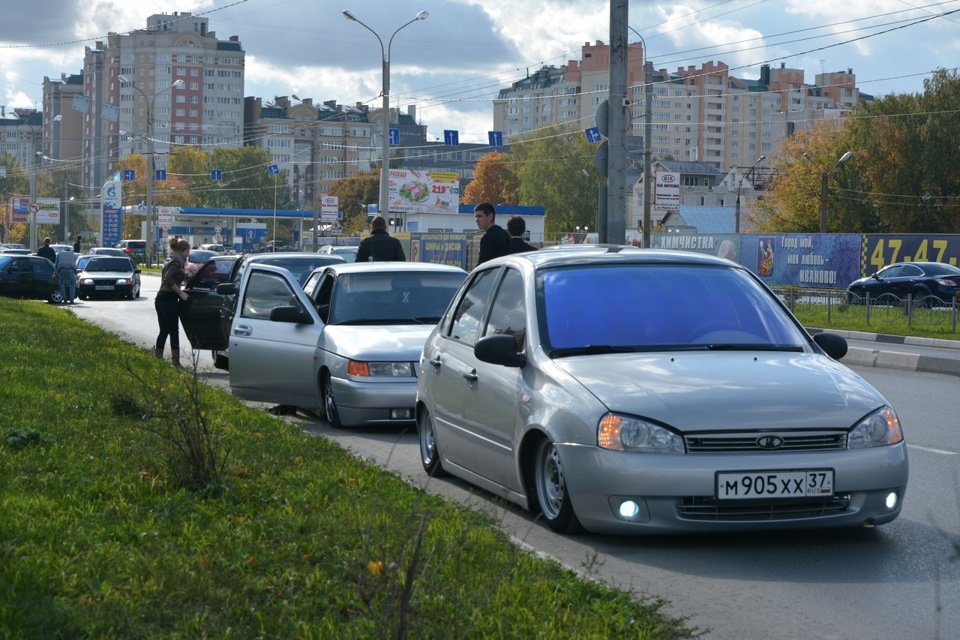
(424,191)
(666,193)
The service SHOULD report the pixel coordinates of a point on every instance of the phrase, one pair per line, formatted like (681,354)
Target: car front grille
(766,442)
(708,508)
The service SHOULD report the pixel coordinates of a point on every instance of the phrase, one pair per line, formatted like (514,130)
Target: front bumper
(676,492)
(375,402)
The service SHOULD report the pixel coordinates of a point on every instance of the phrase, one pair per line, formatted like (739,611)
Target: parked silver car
(642,391)
(346,344)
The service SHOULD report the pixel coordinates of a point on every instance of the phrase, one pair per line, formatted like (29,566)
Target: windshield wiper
(591,349)
(753,347)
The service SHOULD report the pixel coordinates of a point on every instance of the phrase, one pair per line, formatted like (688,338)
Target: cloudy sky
(452,64)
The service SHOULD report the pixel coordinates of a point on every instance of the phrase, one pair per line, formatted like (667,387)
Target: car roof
(273,255)
(391,267)
(561,255)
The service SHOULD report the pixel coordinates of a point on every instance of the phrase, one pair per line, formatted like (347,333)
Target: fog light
(891,500)
(629,509)
(401,414)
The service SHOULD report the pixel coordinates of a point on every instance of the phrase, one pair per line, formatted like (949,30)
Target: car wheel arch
(527,458)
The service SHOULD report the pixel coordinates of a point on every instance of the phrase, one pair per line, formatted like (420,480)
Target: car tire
(550,485)
(429,453)
(56,297)
(330,412)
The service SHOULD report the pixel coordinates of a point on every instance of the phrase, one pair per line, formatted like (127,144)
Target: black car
(924,282)
(109,276)
(136,250)
(29,276)
(207,318)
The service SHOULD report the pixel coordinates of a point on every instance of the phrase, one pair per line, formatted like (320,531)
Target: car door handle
(471,376)
(242,330)
(434,362)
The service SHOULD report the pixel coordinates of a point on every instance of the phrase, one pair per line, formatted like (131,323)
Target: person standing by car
(170,297)
(76,245)
(66,270)
(516,227)
(495,241)
(46,251)
(380,246)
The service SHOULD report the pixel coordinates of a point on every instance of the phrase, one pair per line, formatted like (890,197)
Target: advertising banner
(666,193)
(803,259)
(47,211)
(439,248)
(879,250)
(19,210)
(329,206)
(424,191)
(111,206)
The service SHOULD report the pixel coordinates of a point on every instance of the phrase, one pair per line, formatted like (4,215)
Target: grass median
(137,502)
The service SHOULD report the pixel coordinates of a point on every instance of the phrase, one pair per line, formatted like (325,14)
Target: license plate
(775,484)
(104,287)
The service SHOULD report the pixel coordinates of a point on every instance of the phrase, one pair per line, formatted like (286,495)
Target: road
(892,582)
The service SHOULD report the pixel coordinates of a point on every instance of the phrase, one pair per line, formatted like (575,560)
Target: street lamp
(647,139)
(32,156)
(385,140)
(151,161)
(824,176)
(740,184)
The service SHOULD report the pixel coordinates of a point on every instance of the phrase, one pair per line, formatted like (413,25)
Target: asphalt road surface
(898,581)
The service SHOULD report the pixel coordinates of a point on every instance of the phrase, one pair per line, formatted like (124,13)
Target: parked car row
(33,276)
(611,389)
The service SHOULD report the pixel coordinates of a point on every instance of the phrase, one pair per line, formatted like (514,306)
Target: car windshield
(646,307)
(300,265)
(109,264)
(199,257)
(392,298)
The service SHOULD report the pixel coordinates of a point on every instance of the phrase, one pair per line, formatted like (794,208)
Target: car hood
(106,274)
(397,343)
(723,391)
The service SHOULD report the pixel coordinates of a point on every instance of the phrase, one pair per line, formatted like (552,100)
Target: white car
(348,253)
(219,249)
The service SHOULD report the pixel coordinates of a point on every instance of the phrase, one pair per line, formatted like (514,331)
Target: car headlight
(86,281)
(123,281)
(622,433)
(879,429)
(380,369)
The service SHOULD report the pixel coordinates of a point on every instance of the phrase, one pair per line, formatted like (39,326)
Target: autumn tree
(15,181)
(353,193)
(494,180)
(172,192)
(246,182)
(556,170)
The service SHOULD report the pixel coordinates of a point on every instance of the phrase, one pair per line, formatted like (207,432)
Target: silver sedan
(346,344)
(638,391)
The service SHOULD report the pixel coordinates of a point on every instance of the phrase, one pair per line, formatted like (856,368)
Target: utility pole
(619,106)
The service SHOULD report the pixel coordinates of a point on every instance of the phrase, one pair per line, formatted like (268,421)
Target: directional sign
(129,174)
(394,137)
(593,134)
(451,137)
(273,170)
(216,174)
(495,138)
(161,174)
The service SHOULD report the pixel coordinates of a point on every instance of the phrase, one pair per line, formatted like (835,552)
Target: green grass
(926,323)
(295,539)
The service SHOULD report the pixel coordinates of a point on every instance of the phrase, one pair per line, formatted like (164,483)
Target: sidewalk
(946,359)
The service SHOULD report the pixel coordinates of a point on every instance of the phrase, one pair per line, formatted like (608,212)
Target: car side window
(508,314)
(264,293)
(470,310)
(324,293)
(910,271)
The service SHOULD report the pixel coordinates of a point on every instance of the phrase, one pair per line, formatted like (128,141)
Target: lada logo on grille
(770,442)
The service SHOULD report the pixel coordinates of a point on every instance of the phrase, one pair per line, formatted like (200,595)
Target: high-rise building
(181,86)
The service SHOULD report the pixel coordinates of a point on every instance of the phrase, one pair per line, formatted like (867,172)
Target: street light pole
(151,160)
(385,140)
(647,139)
(740,184)
(824,186)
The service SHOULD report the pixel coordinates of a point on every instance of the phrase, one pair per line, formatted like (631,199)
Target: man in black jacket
(46,251)
(380,246)
(495,241)
(516,227)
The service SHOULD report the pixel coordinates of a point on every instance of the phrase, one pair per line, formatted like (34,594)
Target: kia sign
(328,208)
(667,193)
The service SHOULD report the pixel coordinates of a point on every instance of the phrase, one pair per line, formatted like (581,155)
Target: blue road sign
(161,174)
(451,137)
(216,174)
(593,134)
(495,138)
(129,174)
(273,170)
(394,137)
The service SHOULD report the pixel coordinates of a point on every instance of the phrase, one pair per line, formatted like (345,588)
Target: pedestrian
(66,267)
(495,241)
(170,297)
(76,245)
(46,251)
(516,227)
(380,246)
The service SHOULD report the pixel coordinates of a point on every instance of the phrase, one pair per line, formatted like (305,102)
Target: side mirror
(833,345)
(293,315)
(499,349)
(227,289)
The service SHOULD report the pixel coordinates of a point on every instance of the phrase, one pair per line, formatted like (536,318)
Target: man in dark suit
(380,246)
(516,227)
(495,241)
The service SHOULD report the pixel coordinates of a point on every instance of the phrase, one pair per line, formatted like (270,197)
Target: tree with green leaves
(556,171)
(246,182)
(354,192)
(494,180)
